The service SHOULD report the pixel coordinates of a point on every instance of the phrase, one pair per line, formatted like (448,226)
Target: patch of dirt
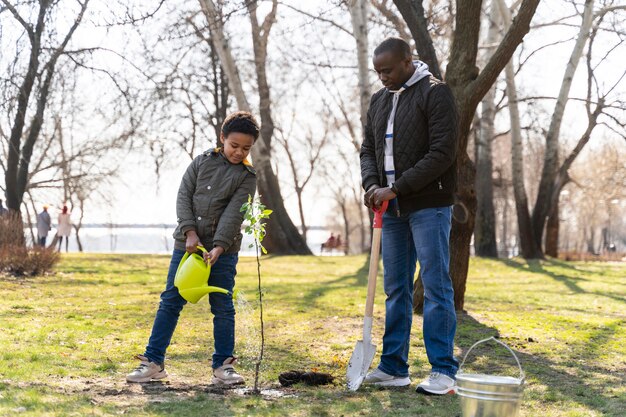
(120,393)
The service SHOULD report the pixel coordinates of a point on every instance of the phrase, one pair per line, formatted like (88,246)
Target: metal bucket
(489,395)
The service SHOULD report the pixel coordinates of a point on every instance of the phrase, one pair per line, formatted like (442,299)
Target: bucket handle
(522,375)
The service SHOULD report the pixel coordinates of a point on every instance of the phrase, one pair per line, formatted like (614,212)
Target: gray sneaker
(437,384)
(378,377)
(226,374)
(146,371)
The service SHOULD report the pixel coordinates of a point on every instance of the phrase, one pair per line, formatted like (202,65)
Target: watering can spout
(192,277)
(193,295)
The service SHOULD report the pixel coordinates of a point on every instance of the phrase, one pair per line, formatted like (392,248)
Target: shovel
(365,350)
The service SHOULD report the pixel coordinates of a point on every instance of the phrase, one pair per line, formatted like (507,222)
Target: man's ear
(221,137)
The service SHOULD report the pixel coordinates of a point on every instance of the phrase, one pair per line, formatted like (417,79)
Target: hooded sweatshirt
(421,71)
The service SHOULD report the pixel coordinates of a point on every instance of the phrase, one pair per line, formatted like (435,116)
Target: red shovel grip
(378,215)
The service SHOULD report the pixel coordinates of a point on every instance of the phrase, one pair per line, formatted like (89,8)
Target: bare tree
(384,7)
(282,235)
(599,105)
(554,174)
(302,168)
(358,13)
(19,155)
(485,228)
(469,85)
(551,159)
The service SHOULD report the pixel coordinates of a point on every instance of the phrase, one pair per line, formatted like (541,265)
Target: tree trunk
(485,230)
(528,244)
(412,12)
(551,158)
(358,13)
(14,198)
(418,295)
(552,232)
(282,235)
(461,235)
(469,86)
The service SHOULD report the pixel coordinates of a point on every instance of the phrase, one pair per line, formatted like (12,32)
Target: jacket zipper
(439,182)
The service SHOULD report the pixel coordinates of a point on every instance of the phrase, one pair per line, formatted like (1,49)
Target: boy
(212,191)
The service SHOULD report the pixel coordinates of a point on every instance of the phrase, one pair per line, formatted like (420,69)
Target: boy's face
(237,146)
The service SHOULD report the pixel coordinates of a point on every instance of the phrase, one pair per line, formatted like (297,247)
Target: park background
(104,104)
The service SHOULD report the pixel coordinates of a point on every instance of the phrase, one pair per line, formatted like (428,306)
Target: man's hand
(368,196)
(191,245)
(376,195)
(213,255)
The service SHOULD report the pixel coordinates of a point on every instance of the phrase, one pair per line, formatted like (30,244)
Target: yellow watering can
(192,277)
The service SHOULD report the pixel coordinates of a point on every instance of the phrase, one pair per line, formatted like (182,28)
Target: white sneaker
(226,374)
(378,377)
(437,384)
(146,371)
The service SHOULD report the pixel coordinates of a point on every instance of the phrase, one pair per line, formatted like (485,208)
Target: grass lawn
(68,339)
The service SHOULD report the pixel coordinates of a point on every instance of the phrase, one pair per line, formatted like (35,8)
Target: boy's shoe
(378,377)
(226,374)
(147,371)
(437,384)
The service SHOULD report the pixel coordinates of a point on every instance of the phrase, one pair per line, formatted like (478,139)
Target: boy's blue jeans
(422,235)
(222,275)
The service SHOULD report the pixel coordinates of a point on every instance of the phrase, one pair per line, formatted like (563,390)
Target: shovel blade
(359,364)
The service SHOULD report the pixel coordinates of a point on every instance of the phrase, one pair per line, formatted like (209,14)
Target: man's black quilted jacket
(424,144)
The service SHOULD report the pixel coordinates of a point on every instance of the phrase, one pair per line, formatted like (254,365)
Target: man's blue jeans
(222,275)
(422,235)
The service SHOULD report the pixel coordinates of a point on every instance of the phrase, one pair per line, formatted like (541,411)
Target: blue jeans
(422,235)
(222,275)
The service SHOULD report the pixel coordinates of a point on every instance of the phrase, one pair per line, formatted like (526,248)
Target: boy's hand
(191,245)
(213,255)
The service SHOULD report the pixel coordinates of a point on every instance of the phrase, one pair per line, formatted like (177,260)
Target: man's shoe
(378,377)
(437,384)
(146,371)
(226,374)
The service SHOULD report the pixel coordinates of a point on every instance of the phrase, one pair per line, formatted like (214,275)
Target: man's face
(392,69)
(237,146)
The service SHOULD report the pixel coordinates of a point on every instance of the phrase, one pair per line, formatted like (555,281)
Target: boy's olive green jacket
(210,198)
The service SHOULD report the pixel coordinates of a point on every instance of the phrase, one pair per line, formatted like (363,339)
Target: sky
(138,197)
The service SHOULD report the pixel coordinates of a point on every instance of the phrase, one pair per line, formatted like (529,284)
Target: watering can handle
(522,375)
(186,255)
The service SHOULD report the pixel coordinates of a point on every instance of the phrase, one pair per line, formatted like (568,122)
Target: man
(44,225)
(3,210)
(407,158)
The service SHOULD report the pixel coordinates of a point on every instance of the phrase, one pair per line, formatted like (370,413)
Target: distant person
(64,227)
(44,225)
(338,242)
(329,244)
(408,158)
(213,189)
(3,210)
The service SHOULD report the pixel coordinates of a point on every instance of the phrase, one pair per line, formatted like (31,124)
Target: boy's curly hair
(241,122)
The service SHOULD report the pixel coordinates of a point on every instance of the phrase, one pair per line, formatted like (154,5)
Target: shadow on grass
(359,278)
(562,383)
(571,282)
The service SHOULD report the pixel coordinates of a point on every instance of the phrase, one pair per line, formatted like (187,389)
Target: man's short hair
(241,122)
(396,46)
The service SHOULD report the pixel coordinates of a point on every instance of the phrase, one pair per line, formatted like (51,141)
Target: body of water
(157,240)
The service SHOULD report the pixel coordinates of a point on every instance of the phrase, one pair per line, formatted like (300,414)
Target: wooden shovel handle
(374,256)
